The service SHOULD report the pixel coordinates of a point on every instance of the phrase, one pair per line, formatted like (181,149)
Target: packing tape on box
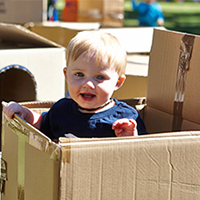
(186,48)
(66,150)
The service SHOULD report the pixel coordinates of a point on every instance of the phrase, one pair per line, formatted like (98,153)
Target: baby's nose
(89,83)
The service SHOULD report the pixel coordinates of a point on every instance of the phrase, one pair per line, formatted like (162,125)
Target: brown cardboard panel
(163,64)
(109,13)
(20,47)
(174,59)
(113,11)
(21,11)
(133,169)
(111,170)
(87,5)
(182,171)
(90,11)
(40,172)
(58,35)
(10,149)
(33,162)
(61,32)
(37,60)
(157,121)
(133,87)
(22,37)
(187,125)
(113,7)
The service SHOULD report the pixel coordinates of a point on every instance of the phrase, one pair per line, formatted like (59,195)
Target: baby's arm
(125,127)
(31,117)
(134,4)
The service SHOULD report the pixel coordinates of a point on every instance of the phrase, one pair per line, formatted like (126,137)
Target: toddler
(150,13)
(96,64)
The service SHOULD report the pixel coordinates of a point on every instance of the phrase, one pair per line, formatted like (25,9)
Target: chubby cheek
(105,89)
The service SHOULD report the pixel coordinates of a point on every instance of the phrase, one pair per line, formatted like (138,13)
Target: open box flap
(18,34)
(33,136)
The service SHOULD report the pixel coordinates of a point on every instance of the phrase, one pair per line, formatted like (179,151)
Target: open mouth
(87,96)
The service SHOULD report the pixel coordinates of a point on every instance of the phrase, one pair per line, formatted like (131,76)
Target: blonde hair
(106,48)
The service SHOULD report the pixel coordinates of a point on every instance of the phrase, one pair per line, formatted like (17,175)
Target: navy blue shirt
(64,117)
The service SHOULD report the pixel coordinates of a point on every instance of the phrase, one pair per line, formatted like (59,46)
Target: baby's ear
(120,81)
(65,73)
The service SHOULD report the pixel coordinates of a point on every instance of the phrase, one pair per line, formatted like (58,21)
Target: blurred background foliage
(179,16)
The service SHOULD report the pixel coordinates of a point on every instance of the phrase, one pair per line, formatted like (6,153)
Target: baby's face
(89,85)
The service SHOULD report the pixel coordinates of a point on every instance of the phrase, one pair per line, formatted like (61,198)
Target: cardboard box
(22,11)
(173,78)
(110,13)
(31,67)
(156,166)
(42,59)
(145,167)
(113,13)
(90,11)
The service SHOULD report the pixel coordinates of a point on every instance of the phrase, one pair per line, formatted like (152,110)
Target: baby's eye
(100,77)
(79,74)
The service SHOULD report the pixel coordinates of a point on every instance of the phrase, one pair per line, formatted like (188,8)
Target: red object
(70,12)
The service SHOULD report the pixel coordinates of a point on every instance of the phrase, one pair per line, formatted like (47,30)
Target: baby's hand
(125,127)
(12,107)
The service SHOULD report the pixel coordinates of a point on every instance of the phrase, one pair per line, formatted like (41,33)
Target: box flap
(33,136)
(61,32)
(163,64)
(22,37)
(174,73)
(32,159)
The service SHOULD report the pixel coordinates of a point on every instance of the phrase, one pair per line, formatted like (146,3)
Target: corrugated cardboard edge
(67,25)
(68,143)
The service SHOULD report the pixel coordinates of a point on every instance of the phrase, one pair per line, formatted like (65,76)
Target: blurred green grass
(179,16)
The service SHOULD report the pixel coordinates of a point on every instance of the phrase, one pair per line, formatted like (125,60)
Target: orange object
(70,11)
